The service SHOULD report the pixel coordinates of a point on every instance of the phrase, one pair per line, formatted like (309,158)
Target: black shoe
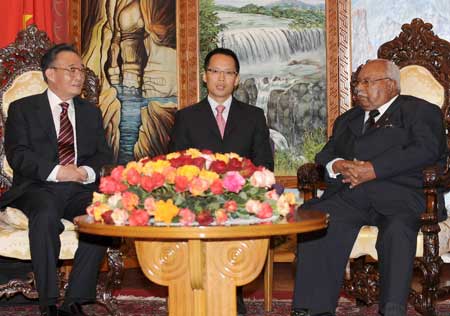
(73,309)
(305,312)
(49,311)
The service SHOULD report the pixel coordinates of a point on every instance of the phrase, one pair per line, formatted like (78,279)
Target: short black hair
(50,56)
(222,51)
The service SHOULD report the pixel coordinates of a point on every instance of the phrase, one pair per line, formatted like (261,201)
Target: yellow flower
(99,197)
(155,166)
(290,198)
(234,155)
(189,171)
(99,210)
(173,155)
(194,153)
(222,157)
(165,211)
(209,176)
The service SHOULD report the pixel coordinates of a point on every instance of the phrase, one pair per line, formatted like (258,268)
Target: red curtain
(15,15)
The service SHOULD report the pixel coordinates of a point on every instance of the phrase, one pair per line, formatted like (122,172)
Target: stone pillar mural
(131,45)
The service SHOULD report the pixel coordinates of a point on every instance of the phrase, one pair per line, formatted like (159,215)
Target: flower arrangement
(190,187)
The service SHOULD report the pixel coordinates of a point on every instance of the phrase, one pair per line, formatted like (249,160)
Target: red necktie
(66,151)
(220,120)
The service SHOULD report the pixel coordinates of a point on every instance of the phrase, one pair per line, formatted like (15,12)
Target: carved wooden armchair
(424,60)
(20,76)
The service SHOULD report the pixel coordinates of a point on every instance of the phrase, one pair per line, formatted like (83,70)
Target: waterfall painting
(281,47)
(372,27)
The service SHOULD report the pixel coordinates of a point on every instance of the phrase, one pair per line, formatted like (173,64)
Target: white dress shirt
(56,109)
(227,104)
(383,108)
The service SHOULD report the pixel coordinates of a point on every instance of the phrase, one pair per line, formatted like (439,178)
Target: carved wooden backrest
(21,76)
(424,61)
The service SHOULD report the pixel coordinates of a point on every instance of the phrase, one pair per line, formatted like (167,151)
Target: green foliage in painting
(301,18)
(209,30)
(288,161)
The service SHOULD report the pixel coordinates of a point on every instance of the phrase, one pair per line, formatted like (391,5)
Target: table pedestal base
(202,275)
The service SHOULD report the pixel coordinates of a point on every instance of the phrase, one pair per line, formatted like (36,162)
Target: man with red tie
(56,145)
(221,123)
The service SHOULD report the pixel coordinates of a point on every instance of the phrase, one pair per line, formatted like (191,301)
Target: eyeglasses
(217,72)
(72,70)
(367,82)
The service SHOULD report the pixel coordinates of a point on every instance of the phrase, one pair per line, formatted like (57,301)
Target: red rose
(147,183)
(107,217)
(265,211)
(181,183)
(160,157)
(207,152)
(230,206)
(133,176)
(117,172)
(234,164)
(248,168)
(218,166)
(199,162)
(138,218)
(216,187)
(204,218)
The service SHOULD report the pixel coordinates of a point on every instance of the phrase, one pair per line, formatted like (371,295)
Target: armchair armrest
(310,178)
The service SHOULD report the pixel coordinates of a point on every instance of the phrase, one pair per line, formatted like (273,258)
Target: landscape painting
(281,48)
(371,27)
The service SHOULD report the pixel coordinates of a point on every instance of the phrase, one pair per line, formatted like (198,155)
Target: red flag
(16,15)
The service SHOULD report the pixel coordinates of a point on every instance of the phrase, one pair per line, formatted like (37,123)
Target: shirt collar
(226,103)
(383,108)
(55,101)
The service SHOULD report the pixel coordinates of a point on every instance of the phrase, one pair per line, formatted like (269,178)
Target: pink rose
(129,200)
(198,186)
(265,211)
(187,217)
(138,218)
(253,206)
(119,216)
(233,181)
(149,205)
(262,179)
(110,186)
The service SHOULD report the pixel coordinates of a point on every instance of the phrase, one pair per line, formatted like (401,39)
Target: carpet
(155,306)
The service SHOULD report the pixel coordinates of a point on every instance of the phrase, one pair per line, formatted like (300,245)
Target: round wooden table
(203,265)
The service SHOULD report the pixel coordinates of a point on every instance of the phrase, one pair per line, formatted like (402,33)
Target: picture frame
(338,51)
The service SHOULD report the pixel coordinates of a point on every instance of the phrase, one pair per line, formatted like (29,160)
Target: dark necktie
(66,151)
(370,121)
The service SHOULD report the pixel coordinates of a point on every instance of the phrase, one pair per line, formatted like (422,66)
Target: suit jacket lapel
(206,116)
(233,118)
(45,117)
(356,123)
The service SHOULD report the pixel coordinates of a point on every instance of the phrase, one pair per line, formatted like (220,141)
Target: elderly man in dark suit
(221,123)
(374,163)
(55,144)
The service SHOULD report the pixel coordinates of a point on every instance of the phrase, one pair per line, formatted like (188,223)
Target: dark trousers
(322,256)
(45,205)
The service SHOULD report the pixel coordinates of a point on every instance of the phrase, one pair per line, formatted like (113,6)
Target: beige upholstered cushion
(418,81)
(14,241)
(28,83)
(365,243)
